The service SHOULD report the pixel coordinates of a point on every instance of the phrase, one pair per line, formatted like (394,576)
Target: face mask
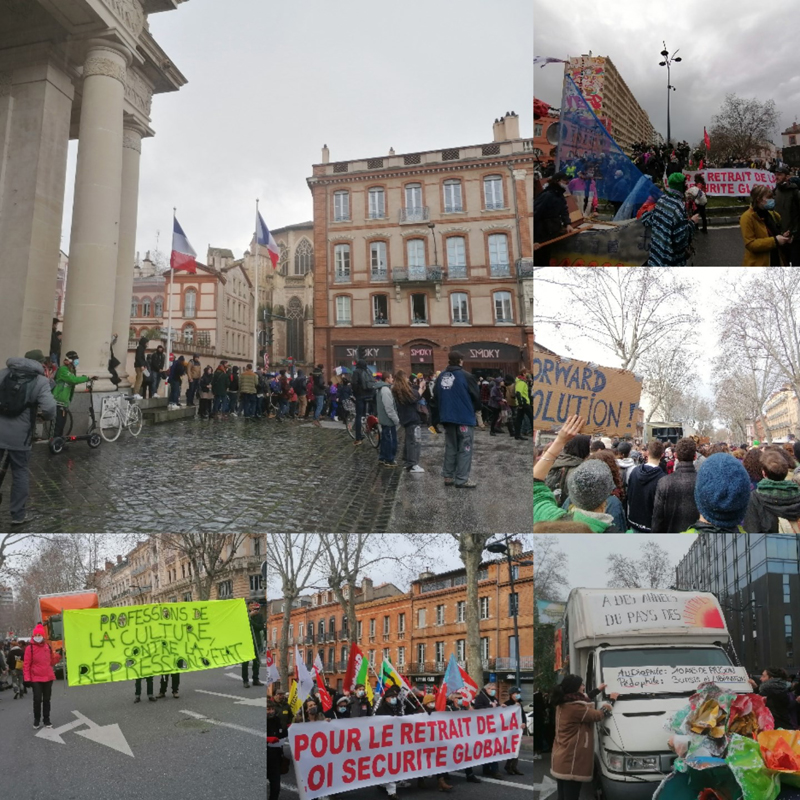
(76,362)
(770,204)
(312,709)
(491,693)
(392,701)
(342,709)
(38,638)
(515,697)
(431,706)
(360,693)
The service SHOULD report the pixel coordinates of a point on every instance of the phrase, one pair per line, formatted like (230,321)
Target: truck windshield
(665,657)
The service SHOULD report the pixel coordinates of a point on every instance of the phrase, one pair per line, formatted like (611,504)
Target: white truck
(653,647)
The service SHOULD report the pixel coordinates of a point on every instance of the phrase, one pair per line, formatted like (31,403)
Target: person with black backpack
(300,385)
(363,392)
(23,389)
(319,392)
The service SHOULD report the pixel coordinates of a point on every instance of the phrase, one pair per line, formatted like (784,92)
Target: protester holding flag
(276,731)
(515,698)
(487,698)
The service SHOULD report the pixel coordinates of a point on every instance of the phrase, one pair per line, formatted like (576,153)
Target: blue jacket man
(455,401)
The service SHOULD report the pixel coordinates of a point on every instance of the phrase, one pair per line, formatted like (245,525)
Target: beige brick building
(418,253)
(782,414)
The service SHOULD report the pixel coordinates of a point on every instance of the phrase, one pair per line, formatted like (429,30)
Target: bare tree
(12,542)
(550,565)
(742,127)
(697,412)
(631,312)
(291,561)
(652,570)
(668,375)
(210,555)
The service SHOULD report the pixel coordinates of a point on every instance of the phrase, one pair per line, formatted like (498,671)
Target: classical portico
(85,70)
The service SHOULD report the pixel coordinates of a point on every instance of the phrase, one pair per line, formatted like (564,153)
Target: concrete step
(152,402)
(155,416)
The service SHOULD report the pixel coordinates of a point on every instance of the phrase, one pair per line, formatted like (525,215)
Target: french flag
(264,237)
(183,254)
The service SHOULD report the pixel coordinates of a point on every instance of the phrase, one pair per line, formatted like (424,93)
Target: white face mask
(38,638)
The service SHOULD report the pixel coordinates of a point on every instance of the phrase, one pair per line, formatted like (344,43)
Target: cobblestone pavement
(196,475)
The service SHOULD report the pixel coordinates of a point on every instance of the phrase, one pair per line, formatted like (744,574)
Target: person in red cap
(37,670)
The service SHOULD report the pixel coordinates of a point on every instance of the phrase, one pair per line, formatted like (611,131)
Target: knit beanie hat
(722,490)
(572,683)
(677,180)
(589,484)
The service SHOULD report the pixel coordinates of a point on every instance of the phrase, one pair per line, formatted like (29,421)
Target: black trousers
(61,419)
(149,686)
(41,694)
(255,669)
(274,771)
(568,790)
(522,412)
(176,682)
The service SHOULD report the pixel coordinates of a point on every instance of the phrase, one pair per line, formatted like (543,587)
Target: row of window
(142,307)
(452,199)
(303,258)
(440,616)
(459,308)
(455,257)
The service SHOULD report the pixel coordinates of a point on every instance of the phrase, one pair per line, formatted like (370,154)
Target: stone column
(131,153)
(89,307)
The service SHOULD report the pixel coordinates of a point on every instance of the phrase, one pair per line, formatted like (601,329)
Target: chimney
(515,547)
(499,130)
(425,575)
(109,564)
(326,154)
(366,589)
(119,559)
(511,122)
(391,151)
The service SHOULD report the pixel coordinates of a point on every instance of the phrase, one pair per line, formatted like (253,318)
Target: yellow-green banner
(128,642)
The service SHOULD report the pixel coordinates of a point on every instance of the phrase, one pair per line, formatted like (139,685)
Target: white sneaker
(137,397)
(234,414)
(416,469)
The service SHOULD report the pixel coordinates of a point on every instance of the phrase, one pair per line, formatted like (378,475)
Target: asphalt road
(720,247)
(515,787)
(207,744)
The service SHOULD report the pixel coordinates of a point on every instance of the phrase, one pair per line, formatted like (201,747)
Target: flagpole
(255,311)
(169,322)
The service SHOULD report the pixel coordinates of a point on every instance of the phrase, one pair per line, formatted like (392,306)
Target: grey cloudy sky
(270,82)
(710,298)
(588,553)
(726,46)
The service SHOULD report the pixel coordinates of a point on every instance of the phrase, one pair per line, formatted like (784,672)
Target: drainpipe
(520,291)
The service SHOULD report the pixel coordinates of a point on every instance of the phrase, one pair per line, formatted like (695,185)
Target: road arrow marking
(252,731)
(547,787)
(108,735)
(261,702)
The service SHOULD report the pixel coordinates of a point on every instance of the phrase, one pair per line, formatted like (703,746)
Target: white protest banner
(731,182)
(344,754)
(621,611)
(648,680)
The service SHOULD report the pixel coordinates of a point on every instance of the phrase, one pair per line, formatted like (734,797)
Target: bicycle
(369,424)
(132,418)
(118,411)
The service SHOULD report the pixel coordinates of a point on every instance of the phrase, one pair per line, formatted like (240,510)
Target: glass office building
(756,578)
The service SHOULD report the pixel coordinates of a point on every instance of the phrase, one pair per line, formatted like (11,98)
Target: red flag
(701,164)
(707,140)
(327,702)
(353,664)
(441,697)
(470,688)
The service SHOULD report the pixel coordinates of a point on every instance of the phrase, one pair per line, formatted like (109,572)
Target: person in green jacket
(524,409)
(65,382)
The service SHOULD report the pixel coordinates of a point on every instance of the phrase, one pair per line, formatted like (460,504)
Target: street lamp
(501,546)
(666,63)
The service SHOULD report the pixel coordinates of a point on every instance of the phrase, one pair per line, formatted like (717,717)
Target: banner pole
(169,318)
(255,310)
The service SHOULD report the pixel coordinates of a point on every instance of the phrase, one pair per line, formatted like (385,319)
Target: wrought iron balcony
(500,270)
(330,637)
(525,662)
(457,272)
(340,278)
(380,321)
(344,634)
(417,274)
(524,267)
(310,638)
(379,275)
(413,214)
(386,637)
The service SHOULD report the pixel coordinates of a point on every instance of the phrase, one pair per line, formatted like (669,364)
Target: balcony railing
(372,640)
(413,214)
(386,637)
(524,267)
(310,638)
(330,636)
(500,270)
(417,274)
(344,634)
(457,272)
(341,278)
(525,662)
(379,275)
(140,570)
(380,321)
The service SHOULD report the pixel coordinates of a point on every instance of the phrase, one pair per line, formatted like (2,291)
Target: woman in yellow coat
(761,231)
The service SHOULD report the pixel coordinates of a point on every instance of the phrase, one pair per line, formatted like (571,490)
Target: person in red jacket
(38,671)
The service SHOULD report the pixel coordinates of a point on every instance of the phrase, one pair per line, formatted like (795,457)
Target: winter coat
(387,411)
(206,392)
(248,382)
(671,231)
(642,485)
(522,392)
(626,466)
(194,370)
(776,698)
(557,477)
(407,412)
(456,397)
(66,380)
(387,710)
(319,383)
(769,501)
(276,730)
(157,360)
(674,508)
(219,383)
(572,757)
(496,396)
(546,509)
(360,706)
(13,654)
(707,527)
(363,382)
(482,700)
(550,214)
(511,702)
(139,357)
(787,204)
(16,432)
(757,239)
(177,370)
(39,660)
(614,509)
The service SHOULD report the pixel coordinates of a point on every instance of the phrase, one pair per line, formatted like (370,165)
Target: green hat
(677,180)
(37,355)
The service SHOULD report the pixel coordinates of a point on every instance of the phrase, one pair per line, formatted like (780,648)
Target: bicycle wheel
(110,422)
(351,426)
(134,423)
(373,433)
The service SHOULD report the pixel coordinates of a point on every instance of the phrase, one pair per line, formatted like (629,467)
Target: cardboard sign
(121,644)
(340,755)
(619,611)
(663,679)
(607,398)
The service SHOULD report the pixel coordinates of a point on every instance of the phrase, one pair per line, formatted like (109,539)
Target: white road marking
(261,702)
(242,728)
(108,735)
(547,788)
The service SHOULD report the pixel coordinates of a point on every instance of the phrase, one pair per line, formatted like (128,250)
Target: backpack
(14,389)
(299,384)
